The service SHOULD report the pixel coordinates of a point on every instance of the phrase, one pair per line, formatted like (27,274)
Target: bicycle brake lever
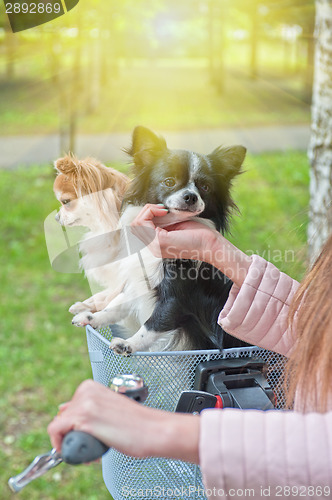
(79,447)
(38,467)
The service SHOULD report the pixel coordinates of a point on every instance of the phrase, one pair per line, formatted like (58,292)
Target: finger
(97,461)
(144,218)
(185,225)
(62,407)
(154,246)
(57,430)
(143,226)
(144,234)
(164,245)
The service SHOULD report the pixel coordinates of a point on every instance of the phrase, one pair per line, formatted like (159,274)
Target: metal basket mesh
(166,374)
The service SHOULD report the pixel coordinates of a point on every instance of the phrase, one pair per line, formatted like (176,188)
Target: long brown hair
(90,176)
(309,370)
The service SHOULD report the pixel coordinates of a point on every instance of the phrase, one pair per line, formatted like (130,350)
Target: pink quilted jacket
(277,454)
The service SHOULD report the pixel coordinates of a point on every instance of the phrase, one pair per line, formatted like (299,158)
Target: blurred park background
(106,66)
(192,66)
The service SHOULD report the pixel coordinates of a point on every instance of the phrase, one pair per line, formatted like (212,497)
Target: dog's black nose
(190,198)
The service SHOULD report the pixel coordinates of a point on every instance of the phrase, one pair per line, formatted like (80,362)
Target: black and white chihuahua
(187,300)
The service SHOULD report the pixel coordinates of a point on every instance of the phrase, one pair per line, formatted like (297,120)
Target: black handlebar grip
(80,447)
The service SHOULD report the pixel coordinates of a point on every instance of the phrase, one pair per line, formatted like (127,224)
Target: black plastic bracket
(240,382)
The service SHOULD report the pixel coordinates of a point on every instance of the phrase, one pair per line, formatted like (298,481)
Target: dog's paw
(121,346)
(82,319)
(78,307)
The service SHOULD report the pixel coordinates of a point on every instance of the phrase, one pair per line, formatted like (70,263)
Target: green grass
(43,358)
(273,198)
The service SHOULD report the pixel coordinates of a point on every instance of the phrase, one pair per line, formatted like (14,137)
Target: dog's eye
(205,188)
(65,202)
(169,182)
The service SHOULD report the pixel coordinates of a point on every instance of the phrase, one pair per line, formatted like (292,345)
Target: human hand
(110,417)
(126,425)
(188,239)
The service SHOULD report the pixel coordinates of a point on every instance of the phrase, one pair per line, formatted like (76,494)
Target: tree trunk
(320,147)
(95,74)
(254,41)
(212,36)
(217,16)
(10,53)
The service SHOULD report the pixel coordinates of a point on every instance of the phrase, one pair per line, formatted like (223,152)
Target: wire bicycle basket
(167,375)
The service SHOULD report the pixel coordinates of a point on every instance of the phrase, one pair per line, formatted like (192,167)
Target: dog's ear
(228,160)
(146,146)
(66,165)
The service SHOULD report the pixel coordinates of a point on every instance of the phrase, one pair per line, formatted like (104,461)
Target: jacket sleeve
(257,311)
(241,449)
